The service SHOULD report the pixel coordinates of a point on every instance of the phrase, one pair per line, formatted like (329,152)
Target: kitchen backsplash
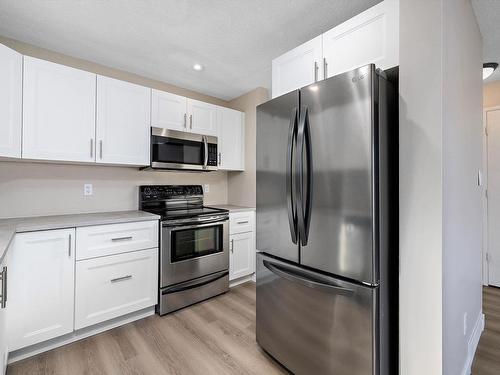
(33,189)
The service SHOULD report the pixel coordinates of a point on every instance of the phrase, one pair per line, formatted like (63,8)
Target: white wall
(462,159)
(420,189)
(440,204)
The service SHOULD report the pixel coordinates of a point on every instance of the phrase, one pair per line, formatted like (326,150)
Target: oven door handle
(182,226)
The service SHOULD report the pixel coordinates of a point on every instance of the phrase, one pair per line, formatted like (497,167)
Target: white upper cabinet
(202,117)
(11,85)
(123,122)
(370,37)
(176,112)
(40,287)
(168,110)
(231,136)
(58,112)
(298,67)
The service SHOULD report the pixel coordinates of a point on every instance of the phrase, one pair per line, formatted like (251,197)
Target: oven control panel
(157,192)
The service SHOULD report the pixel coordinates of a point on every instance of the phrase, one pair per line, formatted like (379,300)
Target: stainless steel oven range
(194,245)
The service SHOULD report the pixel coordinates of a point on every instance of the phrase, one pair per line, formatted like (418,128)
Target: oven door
(172,149)
(191,251)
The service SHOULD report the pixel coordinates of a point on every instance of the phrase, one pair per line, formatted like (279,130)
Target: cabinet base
(78,335)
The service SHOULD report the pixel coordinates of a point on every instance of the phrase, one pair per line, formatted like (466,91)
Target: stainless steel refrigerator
(327,226)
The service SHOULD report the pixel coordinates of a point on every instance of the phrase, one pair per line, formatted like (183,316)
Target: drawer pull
(242,222)
(123,278)
(128,238)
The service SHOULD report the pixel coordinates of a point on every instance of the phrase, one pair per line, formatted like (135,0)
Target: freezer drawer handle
(305,279)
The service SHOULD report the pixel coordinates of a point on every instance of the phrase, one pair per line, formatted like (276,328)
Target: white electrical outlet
(206,188)
(465,324)
(87,189)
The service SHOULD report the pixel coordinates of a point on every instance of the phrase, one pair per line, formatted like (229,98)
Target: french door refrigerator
(326,202)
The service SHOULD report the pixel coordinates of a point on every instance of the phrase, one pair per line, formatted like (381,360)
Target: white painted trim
(473,343)
(78,335)
(242,280)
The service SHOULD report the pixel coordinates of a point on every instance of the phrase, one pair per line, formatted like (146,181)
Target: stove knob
(147,191)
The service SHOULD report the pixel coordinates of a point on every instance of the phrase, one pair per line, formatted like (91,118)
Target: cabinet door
(231,143)
(168,111)
(112,286)
(298,67)
(41,286)
(242,255)
(370,37)
(11,91)
(58,112)
(123,122)
(202,117)
(3,321)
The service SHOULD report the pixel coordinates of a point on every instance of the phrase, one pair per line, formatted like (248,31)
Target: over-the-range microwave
(171,149)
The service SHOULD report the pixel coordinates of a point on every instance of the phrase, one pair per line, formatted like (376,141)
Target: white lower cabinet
(241,244)
(242,258)
(40,287)
(3,317)
(112,286)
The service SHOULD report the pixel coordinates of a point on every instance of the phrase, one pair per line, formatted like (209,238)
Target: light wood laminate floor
(487,360)
(213,337)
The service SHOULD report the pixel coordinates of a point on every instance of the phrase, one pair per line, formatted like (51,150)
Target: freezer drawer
(315,324)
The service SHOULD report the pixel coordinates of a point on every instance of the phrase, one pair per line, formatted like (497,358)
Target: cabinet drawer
(115,285)
(241,222)
(112,239)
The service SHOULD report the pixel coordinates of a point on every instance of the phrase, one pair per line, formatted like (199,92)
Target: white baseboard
(473,343)
(78,335)
(242,280)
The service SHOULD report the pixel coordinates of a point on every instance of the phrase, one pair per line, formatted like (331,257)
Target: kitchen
(158,206)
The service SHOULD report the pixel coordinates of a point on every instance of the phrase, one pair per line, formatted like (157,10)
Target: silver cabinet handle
(185,121)
(190,121)
(325,68)
(220,158)
(315,71)
(3,291)
(242,222)
(232,246)
(69,246)
(128,238)
(100,148)
(123,278)
(91,148)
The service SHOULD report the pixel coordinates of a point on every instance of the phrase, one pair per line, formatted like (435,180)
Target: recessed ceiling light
(488,69)
(198,67)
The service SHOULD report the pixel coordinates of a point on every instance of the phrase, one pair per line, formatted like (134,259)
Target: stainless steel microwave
(171,149)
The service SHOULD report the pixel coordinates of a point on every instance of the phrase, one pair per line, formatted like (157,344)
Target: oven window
(196,242)
(172,150)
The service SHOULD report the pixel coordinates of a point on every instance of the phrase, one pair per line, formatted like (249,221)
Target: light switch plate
(87,189)
(206,188)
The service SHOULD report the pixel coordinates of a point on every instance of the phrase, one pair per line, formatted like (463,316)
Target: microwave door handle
(205,162)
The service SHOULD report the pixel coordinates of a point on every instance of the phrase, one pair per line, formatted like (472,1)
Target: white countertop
(9,227)
(232,207)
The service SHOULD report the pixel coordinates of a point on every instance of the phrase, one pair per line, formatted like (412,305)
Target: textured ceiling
(488,17)
(235,40)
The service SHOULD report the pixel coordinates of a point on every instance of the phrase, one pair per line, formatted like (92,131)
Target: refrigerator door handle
(305,197)
(290,192)
(305,279)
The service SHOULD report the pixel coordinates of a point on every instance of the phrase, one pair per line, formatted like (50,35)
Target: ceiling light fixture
(488,69)
(198,67)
